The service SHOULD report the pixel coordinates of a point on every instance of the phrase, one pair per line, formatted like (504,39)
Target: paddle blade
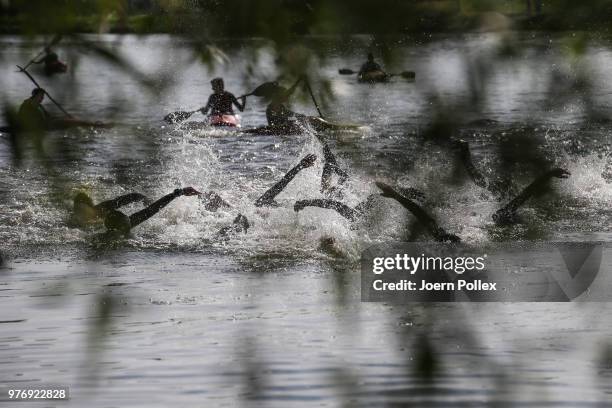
(346,71)
(408,74)
(267,90)
(176,117)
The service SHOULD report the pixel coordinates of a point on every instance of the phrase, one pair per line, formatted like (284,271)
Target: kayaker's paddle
(313,97)
(46,93)
(405,74)
(57,38)
(266,89)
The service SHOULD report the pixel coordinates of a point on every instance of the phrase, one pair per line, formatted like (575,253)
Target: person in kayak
(507,214)
(85,212)
(53,65)
(277,112)
(221,102)
(370,66)
(117,222)
(32,115)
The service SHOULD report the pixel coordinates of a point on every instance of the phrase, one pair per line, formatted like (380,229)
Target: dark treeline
(273,18)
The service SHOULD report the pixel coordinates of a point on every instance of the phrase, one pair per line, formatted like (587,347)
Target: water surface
(175,316)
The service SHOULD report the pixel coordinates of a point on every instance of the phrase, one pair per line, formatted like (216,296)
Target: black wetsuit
(267,198)
(507,214)
(330,167)
(425,219)
(120,201)
(277,112)
(117,221)
(501,189)
(212,201)
(351,214)
(84,211)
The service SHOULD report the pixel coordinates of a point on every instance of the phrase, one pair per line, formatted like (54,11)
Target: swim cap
(82,198)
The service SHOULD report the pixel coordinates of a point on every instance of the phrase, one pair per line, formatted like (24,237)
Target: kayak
(63,124)
(373,77)
(224,120)
(220,121)
(271,130)
(56,67)
(298,127)
(320,125)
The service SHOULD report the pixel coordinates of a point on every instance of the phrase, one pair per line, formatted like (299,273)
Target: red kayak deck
(224,120)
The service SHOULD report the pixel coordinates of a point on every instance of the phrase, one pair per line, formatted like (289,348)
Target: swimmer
(213,201)
(330,167)
(507,214)
(267,198)
(117,222)
(85,212)
(425,219)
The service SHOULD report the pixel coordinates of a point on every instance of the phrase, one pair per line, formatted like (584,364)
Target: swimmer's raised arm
(145,214)
(466,158)
(342,209)
(331,166)
(268,197)
(420,214)
(506,213)
(120,202)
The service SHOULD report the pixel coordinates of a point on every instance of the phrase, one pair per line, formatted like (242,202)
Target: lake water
(269,318)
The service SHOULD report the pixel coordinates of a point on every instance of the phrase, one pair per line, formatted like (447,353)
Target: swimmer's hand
(187,191)
(300,205)
(308,161)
